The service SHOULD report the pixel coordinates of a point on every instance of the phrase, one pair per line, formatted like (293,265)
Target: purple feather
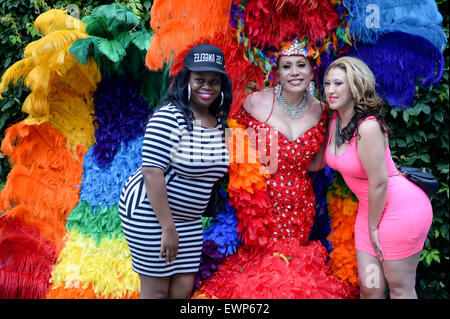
(121,115)
(210,260)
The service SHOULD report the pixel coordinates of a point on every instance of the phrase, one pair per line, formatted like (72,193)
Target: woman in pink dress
(394,215)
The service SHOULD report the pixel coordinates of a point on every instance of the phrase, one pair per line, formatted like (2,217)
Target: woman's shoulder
(167,108)
(368,121)
(259,103)
(369,126)
(170,113)
(318,111)
(317,106)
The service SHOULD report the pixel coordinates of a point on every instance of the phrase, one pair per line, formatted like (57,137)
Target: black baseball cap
(205,57)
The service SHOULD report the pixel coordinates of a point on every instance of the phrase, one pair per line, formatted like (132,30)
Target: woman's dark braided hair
(178,96)
(367,101)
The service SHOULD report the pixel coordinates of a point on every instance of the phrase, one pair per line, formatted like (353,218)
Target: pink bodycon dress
(407,215)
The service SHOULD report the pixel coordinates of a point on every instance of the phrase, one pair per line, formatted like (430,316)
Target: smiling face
(294,73)
(205,88)
(337,90)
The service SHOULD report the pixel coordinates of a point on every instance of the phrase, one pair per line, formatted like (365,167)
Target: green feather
(154,85)
(141,39)
(118,17)
(118,42)
(112,49)
(83,49)
(95,222)
(96,25)
(125,39)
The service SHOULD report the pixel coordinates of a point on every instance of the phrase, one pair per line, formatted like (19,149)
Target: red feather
(26,261)
(268,22)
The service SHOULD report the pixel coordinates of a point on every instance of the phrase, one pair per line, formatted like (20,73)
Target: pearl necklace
(293,112)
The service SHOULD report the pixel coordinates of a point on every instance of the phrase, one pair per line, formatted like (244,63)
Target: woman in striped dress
(183,155)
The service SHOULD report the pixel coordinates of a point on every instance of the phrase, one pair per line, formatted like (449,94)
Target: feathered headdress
(262,44)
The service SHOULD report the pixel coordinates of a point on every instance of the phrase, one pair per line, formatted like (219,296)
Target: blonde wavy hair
(362,87)
(360,80)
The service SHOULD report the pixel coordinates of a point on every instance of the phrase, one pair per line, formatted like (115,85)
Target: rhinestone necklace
(294,112)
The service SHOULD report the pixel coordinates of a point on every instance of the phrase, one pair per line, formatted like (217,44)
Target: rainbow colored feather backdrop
(95,82)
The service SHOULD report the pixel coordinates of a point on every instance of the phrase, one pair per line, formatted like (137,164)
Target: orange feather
(179,23)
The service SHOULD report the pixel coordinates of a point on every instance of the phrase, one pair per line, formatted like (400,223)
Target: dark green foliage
(16,31)
(421,139)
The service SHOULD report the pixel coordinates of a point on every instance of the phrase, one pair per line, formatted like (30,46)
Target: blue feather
(223,230)
(102,186)
(400,62)
(321,228)
(370,19)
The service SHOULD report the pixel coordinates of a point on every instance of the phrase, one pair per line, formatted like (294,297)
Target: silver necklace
(294,112)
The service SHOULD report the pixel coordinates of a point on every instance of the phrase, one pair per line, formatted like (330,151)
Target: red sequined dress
(287,265)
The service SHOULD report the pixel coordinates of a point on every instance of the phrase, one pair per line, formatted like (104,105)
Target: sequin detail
(289,186)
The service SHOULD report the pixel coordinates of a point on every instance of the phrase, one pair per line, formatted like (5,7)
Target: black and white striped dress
(192,162)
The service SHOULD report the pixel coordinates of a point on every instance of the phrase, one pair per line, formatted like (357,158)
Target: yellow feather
(38,79)
(90,72)
(60,58)
(57,19)
(83,78)
(52,42)
(106,266)
(61,62)
(72,118)
(62,89)
(36,104)
(18,70)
